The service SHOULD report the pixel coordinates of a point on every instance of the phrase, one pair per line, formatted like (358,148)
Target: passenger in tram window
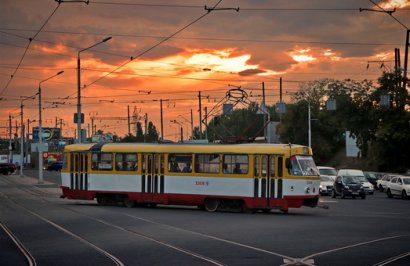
(174,167)
(187,168)
(225,169)
(118,166)
(237,169)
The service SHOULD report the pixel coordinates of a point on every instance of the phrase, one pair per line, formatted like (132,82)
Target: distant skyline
(171,50)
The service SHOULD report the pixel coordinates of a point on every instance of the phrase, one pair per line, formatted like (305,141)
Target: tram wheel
(102,200)
(211,205)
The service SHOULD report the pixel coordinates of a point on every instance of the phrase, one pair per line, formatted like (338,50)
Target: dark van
(348,186)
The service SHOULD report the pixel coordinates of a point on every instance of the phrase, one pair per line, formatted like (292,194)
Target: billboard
(48,133)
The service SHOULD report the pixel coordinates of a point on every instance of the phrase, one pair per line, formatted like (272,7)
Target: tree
(152,135)
(327,127)
(242,125)
(140,133)
(392,125)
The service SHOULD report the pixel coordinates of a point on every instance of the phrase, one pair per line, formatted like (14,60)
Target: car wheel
(403,194)
(363,196)
(389,193)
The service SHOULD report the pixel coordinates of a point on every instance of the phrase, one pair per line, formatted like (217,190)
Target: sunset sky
(171,50)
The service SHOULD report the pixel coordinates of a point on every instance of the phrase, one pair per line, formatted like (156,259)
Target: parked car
(399,186)
(55,166)
(326,185)
(7,168)
(327,171)
(372,178)
(367,186)
(348,186)
(382,182)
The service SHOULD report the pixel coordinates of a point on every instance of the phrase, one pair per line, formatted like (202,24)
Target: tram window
(71,162)
(272,166)
(180,162)
(101,161)
(126,162)
(256,166)
(207,163)
(235,164)
(264,165)
(280,166)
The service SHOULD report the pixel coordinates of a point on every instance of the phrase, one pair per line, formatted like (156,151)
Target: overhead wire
(26,49)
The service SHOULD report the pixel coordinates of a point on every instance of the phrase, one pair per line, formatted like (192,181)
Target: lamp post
(181,128)
(190,122)
(22,133)
(79,116)
(40,131)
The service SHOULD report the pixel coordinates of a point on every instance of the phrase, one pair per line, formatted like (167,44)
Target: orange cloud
(302,55)
(395,4)
(55,49)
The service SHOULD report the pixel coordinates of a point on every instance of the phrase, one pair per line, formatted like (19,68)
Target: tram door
(267,177)
(152,178)
(79,171)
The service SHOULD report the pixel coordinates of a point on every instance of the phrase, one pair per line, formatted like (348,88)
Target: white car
(368,187)
(327,171)
(382,182)
(399,186)
(326,185)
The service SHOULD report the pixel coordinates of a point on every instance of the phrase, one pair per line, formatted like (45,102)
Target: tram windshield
(302,165)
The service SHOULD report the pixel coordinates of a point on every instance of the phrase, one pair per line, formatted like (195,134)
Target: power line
(26,49)
(2,30)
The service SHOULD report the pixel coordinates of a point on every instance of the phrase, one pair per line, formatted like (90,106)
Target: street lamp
(79,115)
(191,123)
(182,129)
(40,131)
(22,132)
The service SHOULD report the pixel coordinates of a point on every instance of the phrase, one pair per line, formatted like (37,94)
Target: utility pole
(129,122)
(264,109)
(21,141)
(162,122)
(406,59)
(206,122)
(200,115)
(192,125)
(10,151)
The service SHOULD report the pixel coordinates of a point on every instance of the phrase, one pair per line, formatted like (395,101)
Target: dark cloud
(250,72)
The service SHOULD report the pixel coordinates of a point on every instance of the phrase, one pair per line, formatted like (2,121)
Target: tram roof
(189,148)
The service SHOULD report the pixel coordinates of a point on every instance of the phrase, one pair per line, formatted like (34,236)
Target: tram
(242,177)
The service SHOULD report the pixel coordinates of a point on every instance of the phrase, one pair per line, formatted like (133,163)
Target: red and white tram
(214,177)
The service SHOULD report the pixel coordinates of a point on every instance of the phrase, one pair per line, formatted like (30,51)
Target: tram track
(174,247)
(28,256)
(287,260)
(117,262)
(64,230)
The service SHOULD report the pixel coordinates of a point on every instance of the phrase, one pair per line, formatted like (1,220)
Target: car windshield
(351,179)
(361,178)
(406,181)
(327,171)
(325,178)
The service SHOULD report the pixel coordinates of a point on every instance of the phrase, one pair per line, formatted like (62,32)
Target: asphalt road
(55,231)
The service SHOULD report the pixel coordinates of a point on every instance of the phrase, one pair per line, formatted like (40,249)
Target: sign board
(351,147)
(36,147)
(102,138)
(76,118)
(48,133)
